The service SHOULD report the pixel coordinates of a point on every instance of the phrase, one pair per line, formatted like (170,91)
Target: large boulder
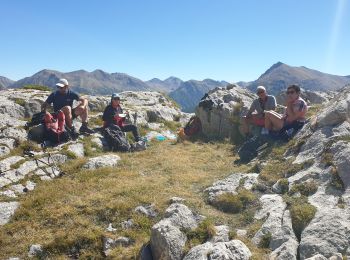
(234,249)
(108,160)
(167,237)
(221,109)
(7,209)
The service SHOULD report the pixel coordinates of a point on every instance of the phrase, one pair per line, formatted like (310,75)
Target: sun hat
(62,83)
(260,88)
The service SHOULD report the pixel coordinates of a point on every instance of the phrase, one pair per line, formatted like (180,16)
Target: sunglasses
(116,98)
(260,92)
(290,92)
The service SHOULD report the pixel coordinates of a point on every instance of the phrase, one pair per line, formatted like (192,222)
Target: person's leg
(273,121)
(133,129)
(67,111)
(82,112)
(245,122)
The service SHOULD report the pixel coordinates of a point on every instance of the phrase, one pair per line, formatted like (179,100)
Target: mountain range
(186,93)
(5,82)
(280,75)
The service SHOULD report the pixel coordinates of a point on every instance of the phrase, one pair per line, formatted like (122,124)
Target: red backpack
(55,131)
(194,126)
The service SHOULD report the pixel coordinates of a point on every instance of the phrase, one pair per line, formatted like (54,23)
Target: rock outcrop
(221,109)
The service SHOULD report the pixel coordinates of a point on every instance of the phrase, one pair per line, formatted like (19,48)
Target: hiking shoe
(264,131)
(84,129)
(73,132)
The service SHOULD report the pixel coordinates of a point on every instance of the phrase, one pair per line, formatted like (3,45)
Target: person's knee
(67,110)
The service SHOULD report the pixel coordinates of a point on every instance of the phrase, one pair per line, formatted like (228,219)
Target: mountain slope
(280,75)
(166,86)
(190,92)
(5,82)
(96,82)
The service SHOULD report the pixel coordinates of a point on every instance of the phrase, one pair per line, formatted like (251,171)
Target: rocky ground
(294,200)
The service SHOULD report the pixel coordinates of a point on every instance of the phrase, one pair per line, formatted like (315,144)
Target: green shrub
(336,181)
(37,87)
(202,233)
(265,241)
(19,101)
(284,185)
(306,189)
(235,203)
(301,215)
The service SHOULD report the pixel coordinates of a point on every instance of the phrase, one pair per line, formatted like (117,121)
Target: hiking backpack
(55,131)
(37,119)
(116,138)
(250,148)
(193,127)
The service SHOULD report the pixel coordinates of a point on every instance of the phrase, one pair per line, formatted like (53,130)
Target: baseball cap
(115,95)
(62,83)
(260,88)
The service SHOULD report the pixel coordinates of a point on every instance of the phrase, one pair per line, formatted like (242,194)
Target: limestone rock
(108,160)
(9,142)
(18,134)
(147,210)
(230,184)
(4,150)
(77,149)
(167,241)
(221,110)
(341,159)
(35,251)
(221,234)
(7,209)
(234,249)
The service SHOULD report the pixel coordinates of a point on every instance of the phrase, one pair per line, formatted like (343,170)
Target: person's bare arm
(83,102)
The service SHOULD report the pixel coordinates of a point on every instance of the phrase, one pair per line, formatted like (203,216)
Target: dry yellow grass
(69,215)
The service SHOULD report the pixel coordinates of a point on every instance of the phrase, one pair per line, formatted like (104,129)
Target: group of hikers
(262,112)
(61,120)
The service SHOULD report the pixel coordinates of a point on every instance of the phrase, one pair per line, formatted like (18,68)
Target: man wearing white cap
(255,115)
(62,99)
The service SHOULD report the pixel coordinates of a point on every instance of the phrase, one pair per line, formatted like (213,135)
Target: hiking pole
(31,154)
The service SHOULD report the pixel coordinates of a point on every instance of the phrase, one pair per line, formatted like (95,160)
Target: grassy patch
(265,240)
(284,185)
(19,101)
(275,170)
(37,87)
(306,188)
(235,203)
(204,231)
(68,215)
(302,212)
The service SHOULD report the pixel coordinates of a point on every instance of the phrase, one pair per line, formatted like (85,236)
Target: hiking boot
(264,131)
(84,129)
(73,132)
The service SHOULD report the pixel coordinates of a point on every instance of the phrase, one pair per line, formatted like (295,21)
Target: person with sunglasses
(255,114)
(62,100)
(113,114)
(294,116)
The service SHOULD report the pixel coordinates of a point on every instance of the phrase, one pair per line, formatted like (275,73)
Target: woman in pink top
(294,114)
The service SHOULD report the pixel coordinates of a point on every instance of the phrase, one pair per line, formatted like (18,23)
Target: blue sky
(190,39)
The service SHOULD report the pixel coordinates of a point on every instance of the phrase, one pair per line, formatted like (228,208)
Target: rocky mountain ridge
(5,82)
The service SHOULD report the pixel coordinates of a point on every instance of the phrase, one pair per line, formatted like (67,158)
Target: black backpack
(116,139)
(37,119)
(250,148)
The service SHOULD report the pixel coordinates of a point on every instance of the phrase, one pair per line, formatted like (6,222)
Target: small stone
(30,185)
(177,200)
(127,224)
(35,250)
(147,210)
(241,232)
(110,228)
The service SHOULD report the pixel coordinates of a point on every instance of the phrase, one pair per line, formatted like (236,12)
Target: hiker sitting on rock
(113,114)
(294,116)
(62,100)
(255,115)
